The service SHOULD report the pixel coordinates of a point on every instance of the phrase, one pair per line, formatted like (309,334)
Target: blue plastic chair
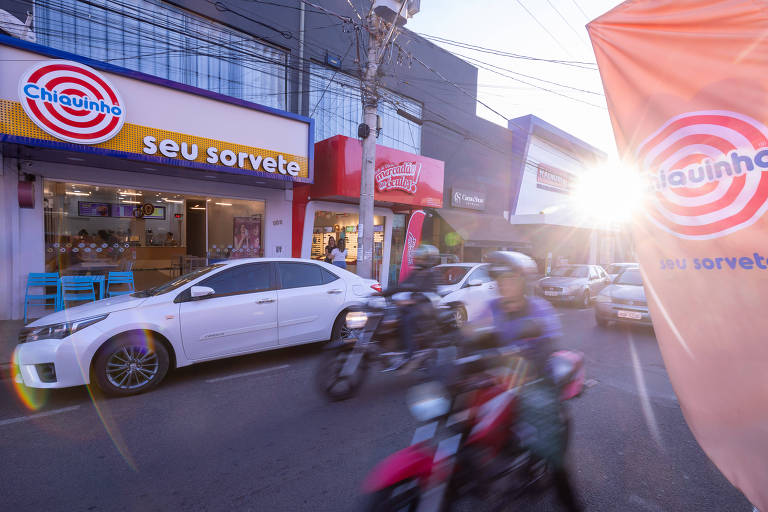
(120,278)
(41,280)
(77,289)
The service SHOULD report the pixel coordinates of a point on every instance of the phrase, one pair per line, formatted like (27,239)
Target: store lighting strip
(172,200)
(198,208)
(77,193)
(130,202)
(224,204)
(128,193)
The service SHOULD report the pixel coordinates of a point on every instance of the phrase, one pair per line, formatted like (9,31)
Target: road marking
(247,374)
(38,415)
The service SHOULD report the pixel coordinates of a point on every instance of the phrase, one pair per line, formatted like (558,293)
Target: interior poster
(247,237)
(687,91)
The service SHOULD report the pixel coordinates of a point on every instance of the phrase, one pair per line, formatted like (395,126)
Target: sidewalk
(9,335)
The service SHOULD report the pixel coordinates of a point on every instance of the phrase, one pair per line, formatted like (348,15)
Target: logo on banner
(403,176)
(554,180)
(72,102)
(410,242)
(708,173)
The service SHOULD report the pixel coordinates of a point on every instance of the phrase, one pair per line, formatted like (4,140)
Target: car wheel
(131,365)
(586,300)
(460,315)
(340,330)
(601,322)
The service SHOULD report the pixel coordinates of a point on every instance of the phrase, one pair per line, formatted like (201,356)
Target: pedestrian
(329,250)
(339,254)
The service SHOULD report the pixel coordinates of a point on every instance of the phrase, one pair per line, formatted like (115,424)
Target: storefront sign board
(59,100)
(400,177)
(473,200)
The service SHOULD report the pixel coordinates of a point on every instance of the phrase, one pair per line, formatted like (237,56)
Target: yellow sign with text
(187,149)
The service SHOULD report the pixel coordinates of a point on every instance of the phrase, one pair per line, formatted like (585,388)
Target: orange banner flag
(686,83)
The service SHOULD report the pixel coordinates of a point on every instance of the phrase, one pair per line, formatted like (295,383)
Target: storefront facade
(109,169)
(329,208)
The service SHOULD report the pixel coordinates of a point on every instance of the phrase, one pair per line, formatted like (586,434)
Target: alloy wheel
(132,367)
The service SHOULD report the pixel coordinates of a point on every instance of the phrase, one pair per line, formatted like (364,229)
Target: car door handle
(333,291)
(265,301)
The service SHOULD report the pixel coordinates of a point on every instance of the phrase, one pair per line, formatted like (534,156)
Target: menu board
(91,209)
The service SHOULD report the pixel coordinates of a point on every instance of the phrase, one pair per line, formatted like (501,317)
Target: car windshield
(176,283)
(450,275)
(570,271)
(630,277)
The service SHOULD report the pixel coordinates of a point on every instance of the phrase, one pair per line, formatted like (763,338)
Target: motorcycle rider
(420,282)
(510,317)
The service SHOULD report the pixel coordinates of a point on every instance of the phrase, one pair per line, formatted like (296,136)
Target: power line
(580,36)
(492,51)
(545,29)
(580,9)
(529,76)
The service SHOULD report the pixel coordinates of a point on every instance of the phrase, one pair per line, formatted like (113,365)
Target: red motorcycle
(479,433)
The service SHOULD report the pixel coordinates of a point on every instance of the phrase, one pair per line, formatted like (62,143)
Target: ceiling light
(198,208)
(75,159)
(130,202)
(77,193)
(172,200)
(125,193)
(224,204)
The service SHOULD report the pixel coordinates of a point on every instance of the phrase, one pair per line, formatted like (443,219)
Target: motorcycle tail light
(376,287)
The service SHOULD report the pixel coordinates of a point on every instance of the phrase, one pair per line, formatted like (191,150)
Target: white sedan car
(467,288)
(126,344)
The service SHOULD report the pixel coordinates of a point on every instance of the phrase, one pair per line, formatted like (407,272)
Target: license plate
(551,294)
(634,315)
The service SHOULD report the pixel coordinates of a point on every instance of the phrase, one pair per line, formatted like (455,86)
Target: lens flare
(32,398)
(610,194)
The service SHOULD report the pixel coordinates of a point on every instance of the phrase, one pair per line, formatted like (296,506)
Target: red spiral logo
(709,173)
(72,102)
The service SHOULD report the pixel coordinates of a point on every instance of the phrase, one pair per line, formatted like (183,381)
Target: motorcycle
(372,337)
(475,441)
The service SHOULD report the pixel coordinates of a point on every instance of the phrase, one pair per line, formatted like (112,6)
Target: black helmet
(425,256)
(502,262)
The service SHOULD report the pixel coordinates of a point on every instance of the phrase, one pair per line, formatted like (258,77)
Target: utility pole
(378,38)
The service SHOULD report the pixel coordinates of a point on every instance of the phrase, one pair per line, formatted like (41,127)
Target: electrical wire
(579,35)
(580,9)
(545,29)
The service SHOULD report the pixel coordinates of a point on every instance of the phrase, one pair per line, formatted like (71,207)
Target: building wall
(533,199)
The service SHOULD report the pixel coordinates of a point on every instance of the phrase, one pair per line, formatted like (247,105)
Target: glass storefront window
(93,229)
(341,225)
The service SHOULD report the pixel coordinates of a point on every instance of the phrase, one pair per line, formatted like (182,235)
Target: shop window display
(93,229)
(337,225)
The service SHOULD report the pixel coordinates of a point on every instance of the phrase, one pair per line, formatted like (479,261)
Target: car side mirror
(475,282)
(199,292)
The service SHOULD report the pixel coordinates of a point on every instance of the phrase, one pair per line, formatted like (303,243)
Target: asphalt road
(251,433)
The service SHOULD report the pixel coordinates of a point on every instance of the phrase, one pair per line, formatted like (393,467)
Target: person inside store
(329,250)
(169,240)
(339,254)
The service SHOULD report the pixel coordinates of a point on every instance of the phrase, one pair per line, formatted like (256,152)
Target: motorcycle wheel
(403,496)
(329,380)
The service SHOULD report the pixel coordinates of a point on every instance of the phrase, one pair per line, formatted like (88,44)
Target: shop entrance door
(196,225)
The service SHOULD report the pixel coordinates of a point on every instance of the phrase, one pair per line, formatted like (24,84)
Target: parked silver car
(623,301)
(614,269)
(575,284)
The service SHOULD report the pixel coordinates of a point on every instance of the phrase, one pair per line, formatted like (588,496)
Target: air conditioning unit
(389,9)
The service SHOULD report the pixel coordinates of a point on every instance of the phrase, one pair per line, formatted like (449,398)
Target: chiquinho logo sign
(72,102)
(708,172)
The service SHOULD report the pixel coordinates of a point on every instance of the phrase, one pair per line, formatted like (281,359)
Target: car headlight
(603,299)
(57,331)
(428,401)
(356,319)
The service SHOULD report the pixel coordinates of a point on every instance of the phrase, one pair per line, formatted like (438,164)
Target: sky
(548,29)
